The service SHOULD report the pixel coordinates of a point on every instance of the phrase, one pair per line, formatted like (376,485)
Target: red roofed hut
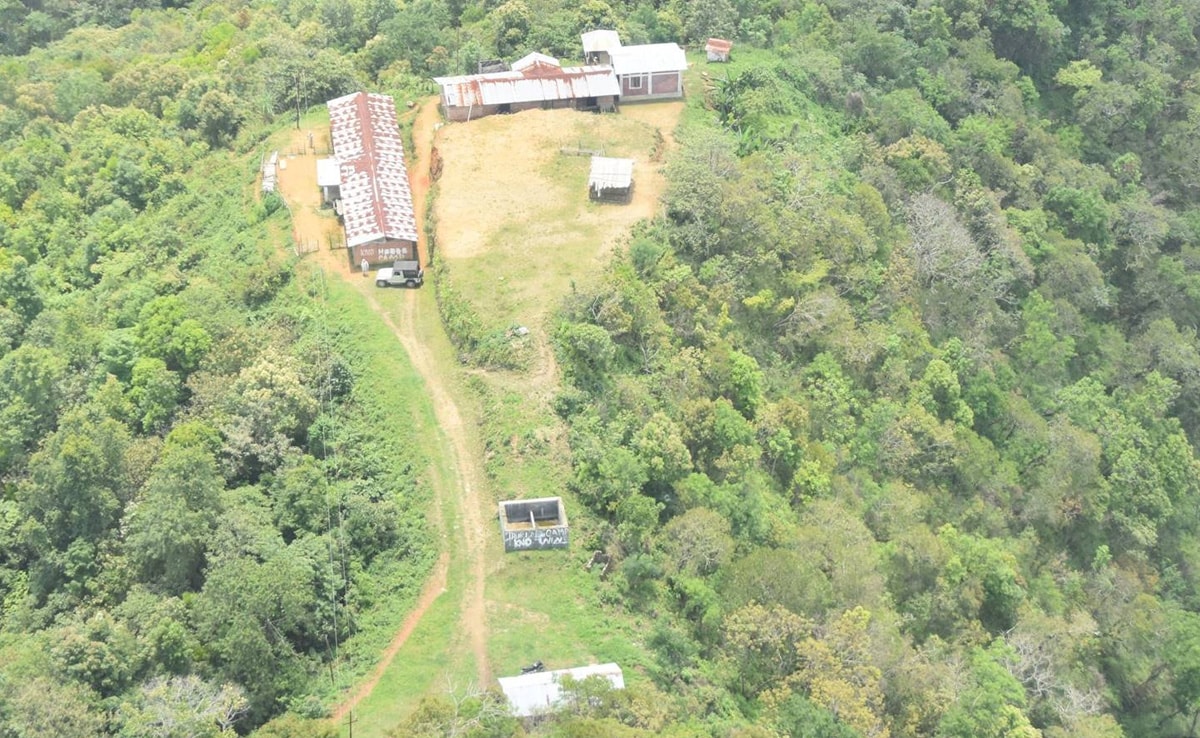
(376,203)
(717,49)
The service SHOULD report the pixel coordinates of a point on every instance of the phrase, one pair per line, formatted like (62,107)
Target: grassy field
(515,225)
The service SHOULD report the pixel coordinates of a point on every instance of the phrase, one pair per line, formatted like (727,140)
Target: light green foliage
(290,726)
(182,707)
(776,577)
(510,22)
(30,394)
(705,19)
(761,642)
(905,113)
(266,408)
(1080,74)
(991,705)
(1042,356)
(154,392)
(587,351)
(835,670)
(164,332)
(659,444)
(42,708)
(637,518)
(698,542)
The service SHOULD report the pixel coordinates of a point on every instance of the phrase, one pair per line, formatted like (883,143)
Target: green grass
(434,655)
(388,378)
(545,605)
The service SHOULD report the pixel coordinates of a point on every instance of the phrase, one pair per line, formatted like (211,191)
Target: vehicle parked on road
(401,274)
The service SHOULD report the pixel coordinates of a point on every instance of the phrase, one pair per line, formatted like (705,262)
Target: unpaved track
(465,488)
(434,587)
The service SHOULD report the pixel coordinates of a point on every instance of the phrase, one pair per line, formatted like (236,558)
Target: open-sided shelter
(376,202)
(329,179)
(597,44)
(610,179)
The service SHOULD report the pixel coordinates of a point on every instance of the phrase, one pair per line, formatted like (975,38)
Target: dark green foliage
(922,327)
(891,415)
(181,542)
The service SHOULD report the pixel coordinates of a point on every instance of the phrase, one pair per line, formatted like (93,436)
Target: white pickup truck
(401,274)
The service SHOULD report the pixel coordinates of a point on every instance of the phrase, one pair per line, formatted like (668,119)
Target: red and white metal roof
(376,198)
(535,78)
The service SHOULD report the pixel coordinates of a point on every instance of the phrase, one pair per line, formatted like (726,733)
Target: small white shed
(329,179)
(532,694)
(611,179)
(717,49)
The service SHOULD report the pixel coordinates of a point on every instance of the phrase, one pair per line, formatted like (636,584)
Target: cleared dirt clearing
(514,222)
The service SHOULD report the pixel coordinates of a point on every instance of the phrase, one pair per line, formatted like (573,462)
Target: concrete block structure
(534,525)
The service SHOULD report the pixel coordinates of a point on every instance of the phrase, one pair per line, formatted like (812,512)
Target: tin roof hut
(535,81)
(611,179)
(376,202)
(717,49)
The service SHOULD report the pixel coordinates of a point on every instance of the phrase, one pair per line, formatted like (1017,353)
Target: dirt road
(492,165)
(297,184)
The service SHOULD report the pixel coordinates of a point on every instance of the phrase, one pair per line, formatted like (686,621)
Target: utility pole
(350,722)
(298,92)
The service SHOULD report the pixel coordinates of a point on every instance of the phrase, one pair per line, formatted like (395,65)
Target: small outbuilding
(270,172)
(534,525)
(597,45)
(611,180)
(329,179)
(717,49)
(540,692)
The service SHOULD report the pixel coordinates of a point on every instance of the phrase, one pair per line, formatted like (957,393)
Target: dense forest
(892,414)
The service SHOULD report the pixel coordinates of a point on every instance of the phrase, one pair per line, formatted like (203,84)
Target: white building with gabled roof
(540,692)
(597,45)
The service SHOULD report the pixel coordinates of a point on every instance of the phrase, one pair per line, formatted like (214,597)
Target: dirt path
(434,587)
(464,224)
(297,183)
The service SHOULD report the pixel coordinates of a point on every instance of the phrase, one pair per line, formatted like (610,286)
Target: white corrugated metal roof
(376,198)
(534,693)
(648,58)
(499,88)
(533,59)
(327,173)
(608,173)
(600,41)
